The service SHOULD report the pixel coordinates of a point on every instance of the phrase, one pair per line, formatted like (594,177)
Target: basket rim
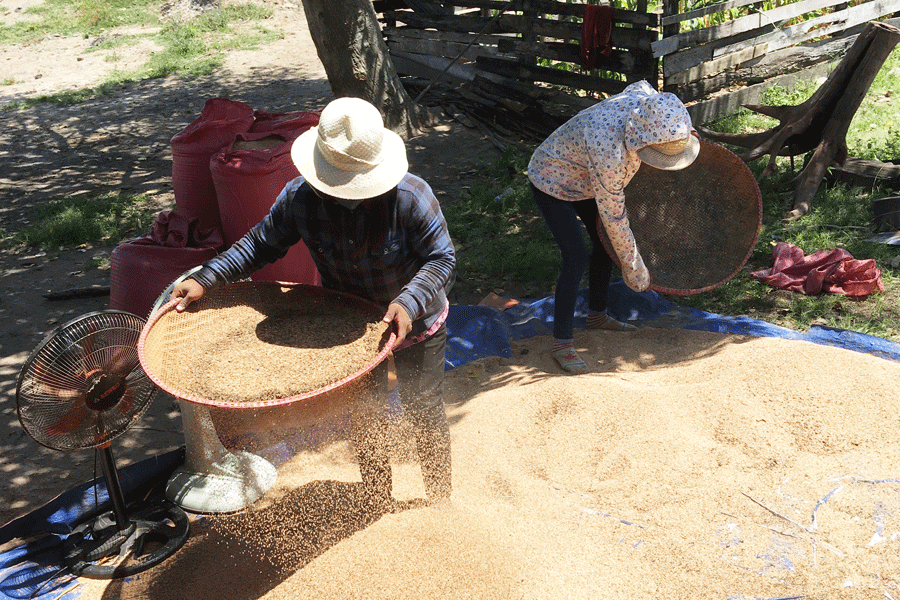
(359,373)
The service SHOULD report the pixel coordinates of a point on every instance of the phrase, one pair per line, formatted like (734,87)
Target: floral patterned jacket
(594,155)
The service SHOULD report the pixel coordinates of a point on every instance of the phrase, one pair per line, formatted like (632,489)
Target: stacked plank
(515,55)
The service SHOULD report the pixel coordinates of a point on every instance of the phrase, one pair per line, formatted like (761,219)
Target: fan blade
(76,417)
(126,402)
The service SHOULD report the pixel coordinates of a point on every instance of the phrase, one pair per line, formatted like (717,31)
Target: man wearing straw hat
(579,173)
(376,231)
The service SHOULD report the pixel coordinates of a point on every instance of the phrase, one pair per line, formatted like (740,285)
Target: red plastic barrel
(219,121)
(248,175)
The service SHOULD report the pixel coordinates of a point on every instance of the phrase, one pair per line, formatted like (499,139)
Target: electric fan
(82,387)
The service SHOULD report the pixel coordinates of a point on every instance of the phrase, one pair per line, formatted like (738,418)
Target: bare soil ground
(121,142)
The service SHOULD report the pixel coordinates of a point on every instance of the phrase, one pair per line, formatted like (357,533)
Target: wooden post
(670,7)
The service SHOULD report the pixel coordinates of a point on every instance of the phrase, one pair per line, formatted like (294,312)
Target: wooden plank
(777,39)
(432,68)
(693,57)
(834,23)
(620,37)
(671,19)
(516,70)
(740,25)
(562,9)
(866,173)
(774,64)
(620,61)
(782,38)
(438,45)
(713,67)
(451,23)
(780,62)
(825,25)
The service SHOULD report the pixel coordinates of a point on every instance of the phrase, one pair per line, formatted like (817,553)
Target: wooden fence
(520,52)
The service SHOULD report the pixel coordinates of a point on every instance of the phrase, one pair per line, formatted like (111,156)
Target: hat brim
(671,162)
(350,185)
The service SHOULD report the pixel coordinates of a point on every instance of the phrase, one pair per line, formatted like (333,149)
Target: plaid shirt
(411,263)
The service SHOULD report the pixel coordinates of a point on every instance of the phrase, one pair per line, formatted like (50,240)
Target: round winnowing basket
(695,228)
(263,344)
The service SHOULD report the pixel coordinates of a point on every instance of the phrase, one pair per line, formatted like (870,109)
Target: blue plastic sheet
(475,332)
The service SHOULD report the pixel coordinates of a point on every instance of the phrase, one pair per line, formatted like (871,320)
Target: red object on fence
(833,271)
(219,121)
(248,175)
(141,269)
(596,29)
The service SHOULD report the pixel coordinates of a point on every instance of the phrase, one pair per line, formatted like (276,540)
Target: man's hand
(397,315)
(188,290)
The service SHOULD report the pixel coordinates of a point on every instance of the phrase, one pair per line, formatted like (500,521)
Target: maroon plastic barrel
(140,272)
(291,124)
(219,121)
(248,175)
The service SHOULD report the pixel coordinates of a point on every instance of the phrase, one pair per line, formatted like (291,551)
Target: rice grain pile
(260,346)
(686,465)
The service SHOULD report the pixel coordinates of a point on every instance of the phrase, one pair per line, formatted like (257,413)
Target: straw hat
(350,154)
(671,156)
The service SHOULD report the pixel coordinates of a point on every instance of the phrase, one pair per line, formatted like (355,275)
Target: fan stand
(113,545)
(214,479)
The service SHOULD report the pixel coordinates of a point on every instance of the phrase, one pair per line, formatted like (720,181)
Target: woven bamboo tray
(262,344)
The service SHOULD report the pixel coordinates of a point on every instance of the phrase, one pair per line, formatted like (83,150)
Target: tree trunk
(350,45)
(820,124)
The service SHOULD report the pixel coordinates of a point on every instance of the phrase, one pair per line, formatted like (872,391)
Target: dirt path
(121,142)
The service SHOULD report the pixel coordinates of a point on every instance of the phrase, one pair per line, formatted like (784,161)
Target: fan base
(236,485)
(99,549)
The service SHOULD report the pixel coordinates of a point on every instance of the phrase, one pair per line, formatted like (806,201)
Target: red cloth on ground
(596,29)
(834,271)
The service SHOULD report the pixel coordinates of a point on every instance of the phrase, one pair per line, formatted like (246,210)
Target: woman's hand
(188,290)
(638,277)
(397,315)
(618,232)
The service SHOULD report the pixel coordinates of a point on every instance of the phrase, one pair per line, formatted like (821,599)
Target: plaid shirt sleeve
(420,216)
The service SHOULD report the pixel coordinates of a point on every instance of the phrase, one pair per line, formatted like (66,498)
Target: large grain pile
(687,465)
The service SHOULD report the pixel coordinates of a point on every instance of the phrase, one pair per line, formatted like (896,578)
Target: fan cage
(53,388)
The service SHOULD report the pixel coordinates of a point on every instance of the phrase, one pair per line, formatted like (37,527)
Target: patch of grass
(190,48)
(79,17)
(501,237)
(77,221)
(841,218)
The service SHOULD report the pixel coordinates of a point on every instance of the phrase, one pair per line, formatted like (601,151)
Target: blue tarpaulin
(476,331)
